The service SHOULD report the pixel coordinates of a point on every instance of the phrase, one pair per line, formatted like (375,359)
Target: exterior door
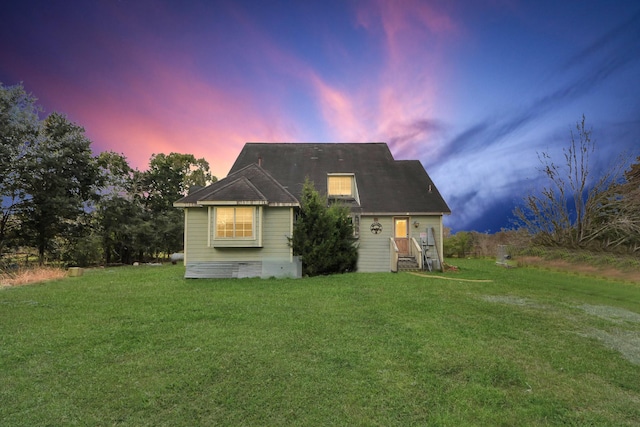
(401,235)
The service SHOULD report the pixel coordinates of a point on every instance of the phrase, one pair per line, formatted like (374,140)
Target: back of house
(239,226)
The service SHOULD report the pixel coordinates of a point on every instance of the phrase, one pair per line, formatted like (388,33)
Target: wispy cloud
(205,78)
(583,73)
(392,98)
(405,138)
(619,45)
(338,110)
(406,26)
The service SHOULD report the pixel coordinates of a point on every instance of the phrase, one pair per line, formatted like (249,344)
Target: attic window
(340,185)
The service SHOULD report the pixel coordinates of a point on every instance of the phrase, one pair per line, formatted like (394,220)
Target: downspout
(260,225)
(209,221)
(186,233)
(441,245)
(291,216)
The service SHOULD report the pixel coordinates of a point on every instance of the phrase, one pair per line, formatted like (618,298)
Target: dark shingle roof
(250,184)
(384,185)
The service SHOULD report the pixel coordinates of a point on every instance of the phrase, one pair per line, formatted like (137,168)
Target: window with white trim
(234,222)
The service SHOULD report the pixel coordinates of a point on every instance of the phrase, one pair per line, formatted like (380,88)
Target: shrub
(323,235)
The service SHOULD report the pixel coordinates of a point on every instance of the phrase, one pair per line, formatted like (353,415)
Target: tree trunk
(41,253)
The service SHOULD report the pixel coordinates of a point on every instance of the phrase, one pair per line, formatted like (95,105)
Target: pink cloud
(195,119)
(339,111)
(394,100)
(164,108)
(154,99)
(416,36)
(406,26)
(337,107)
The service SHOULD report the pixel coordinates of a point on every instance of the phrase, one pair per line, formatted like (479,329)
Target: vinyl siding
(426,222)
(196,235)
(277,229)
(276,226)
(373,249)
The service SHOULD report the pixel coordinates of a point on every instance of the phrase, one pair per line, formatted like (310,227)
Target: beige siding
(373,249)
(276,230)
(196,235)
(426,222)
(276,226)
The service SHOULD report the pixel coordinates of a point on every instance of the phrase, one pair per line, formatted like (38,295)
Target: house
(239,226)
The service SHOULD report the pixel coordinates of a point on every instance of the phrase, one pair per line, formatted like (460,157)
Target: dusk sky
(473,89)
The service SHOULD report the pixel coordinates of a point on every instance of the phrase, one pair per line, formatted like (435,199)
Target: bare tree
(618,222)
(568,210)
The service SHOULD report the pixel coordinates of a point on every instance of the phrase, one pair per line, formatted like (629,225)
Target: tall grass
(27,275)
(596,259)
(142,346)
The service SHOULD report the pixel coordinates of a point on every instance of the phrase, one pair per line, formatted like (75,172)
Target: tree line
(79,208)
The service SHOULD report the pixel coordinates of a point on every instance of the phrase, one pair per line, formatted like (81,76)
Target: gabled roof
(385,185)
(249,185)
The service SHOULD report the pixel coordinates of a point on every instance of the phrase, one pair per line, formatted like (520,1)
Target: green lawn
(142,346)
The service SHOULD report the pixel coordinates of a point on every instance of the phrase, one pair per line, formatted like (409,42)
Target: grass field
(140,346)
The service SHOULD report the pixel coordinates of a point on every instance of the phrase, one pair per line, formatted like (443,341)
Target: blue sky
(472,89)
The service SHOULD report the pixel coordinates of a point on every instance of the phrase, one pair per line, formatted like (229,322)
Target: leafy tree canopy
(19,130)
(61,199)
(61,178)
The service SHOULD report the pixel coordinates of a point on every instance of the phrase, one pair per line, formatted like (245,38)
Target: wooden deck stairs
(408,263)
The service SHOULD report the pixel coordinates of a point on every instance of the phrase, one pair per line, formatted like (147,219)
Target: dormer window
(341,185)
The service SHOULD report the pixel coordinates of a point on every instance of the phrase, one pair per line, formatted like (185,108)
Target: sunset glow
(472,90)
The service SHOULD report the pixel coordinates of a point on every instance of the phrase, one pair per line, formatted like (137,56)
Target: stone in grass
(75,271)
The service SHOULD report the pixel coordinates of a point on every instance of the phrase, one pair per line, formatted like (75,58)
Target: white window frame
(234,228)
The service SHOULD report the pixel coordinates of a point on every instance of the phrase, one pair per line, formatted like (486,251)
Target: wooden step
(407,263)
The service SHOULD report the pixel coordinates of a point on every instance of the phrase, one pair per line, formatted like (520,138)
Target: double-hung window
(234,222)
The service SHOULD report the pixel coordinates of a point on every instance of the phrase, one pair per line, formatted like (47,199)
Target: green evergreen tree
(60,179)
(323,236)
(19,127)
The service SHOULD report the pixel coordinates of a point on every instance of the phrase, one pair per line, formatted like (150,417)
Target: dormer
(342,186)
